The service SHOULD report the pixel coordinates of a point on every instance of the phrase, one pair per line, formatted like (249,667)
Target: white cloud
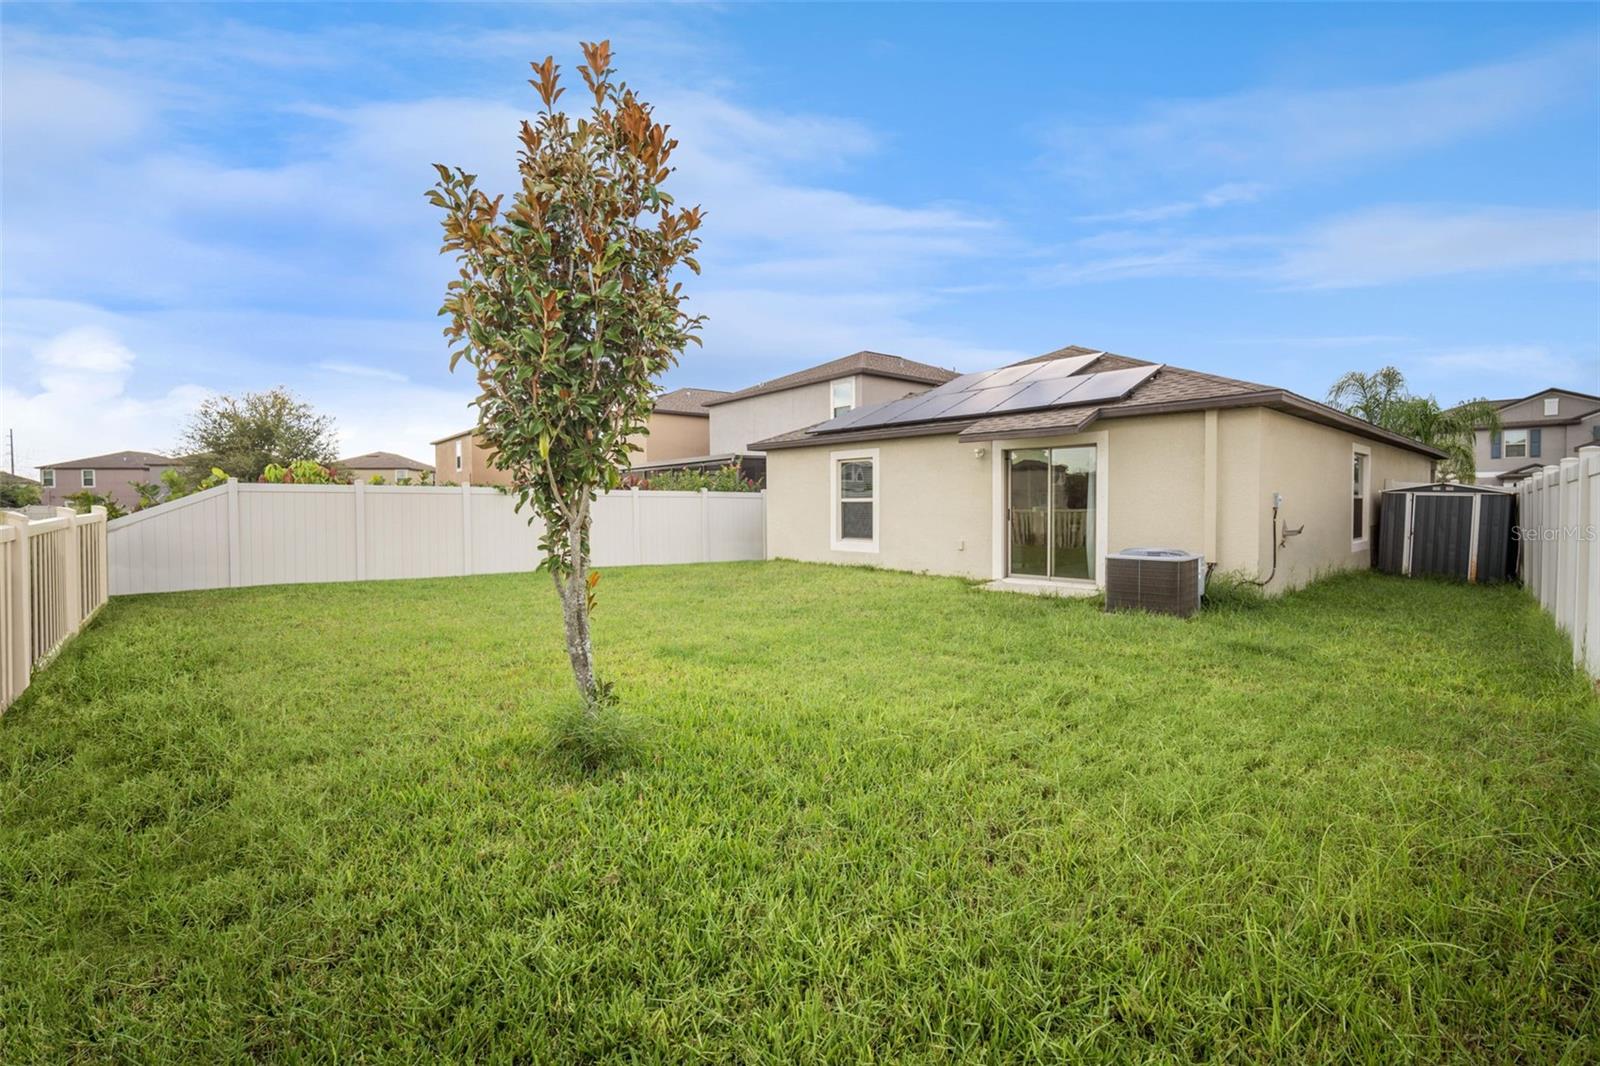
(1279,130)
(1398,244)
(82,404)
(1382,246)
(356,371)
(1224,195)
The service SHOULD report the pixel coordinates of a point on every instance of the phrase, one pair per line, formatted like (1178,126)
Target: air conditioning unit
(1167,580)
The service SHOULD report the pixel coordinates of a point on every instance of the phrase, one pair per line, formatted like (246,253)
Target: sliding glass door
(1051,513)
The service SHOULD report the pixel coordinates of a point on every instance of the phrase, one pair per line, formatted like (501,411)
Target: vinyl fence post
(234,567)
(638,531)
(1567,546)
(765,551)
(705,526)
(19,647)
(361,531)
(72,573)
(466,527)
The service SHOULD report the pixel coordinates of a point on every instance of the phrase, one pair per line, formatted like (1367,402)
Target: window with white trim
(458,455)
(1514,444)
(1552,406)
(854,500)
(88,479)
(401,475)
(843,396)
(1360,467)
(47,478)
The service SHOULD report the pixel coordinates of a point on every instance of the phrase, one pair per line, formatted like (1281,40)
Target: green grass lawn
(877,816)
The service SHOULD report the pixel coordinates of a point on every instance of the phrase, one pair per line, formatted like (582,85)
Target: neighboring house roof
(687,402)
(114,461)
(381,461)
(1168,390)
(8,478)
(1541,392)
(453,436)
(874,363)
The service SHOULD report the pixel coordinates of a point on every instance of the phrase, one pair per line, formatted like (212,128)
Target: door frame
(1000,529)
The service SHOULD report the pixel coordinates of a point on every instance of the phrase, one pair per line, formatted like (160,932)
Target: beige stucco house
(1031,474)
(679,430)
(740,419)
(680,427)
(1535,432)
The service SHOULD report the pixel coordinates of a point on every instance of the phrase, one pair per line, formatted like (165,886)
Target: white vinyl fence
(52,581)
(1560,530)
(238,534)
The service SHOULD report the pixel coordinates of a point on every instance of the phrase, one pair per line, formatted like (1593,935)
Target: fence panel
(237,535)
(1560,535)
(53,578)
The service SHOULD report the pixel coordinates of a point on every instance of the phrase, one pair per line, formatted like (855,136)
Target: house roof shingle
(381,461)
(130,460)
(1170,389)
(875,363)
(688,401)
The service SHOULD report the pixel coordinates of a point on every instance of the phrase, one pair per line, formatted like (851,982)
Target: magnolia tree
(566,307)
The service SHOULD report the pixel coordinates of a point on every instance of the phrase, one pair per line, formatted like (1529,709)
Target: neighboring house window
(1514,443)
(844,396)
(47,478)
(1552,406)
(458,455)
(855,501)
(1358,497)
(88,479)
(400,475)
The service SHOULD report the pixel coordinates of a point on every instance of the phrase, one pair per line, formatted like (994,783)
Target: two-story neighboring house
(679,430)
(111,476)
(815,394)
(1536,431)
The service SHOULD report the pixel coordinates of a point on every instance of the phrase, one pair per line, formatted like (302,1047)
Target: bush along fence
(239,534)
(53,578)
(1560,533)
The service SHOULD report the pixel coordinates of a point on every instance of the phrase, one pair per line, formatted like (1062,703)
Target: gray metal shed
(1459,531)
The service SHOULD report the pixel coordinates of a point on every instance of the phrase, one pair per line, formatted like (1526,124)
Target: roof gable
(876,364)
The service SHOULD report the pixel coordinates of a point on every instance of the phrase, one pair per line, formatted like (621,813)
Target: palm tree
(1381,398)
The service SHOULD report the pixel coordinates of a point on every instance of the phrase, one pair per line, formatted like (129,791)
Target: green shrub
(725,479)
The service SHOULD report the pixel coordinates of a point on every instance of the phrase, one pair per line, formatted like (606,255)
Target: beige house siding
(941,508)
(1311,465)
(735,425)
(933,506)
(672,437)
(475,468)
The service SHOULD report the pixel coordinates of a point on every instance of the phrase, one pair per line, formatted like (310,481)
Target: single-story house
(1030,474)
(387,465)
(111,475)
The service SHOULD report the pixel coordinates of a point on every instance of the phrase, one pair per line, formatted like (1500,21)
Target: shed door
(1441,534)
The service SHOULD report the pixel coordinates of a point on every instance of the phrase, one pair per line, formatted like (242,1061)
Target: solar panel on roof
(1109,385)
(1038,387)
(1060,368)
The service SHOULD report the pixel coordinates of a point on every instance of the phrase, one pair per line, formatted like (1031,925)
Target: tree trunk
(575,618)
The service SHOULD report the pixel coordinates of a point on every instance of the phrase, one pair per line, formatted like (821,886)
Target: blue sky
(203,199)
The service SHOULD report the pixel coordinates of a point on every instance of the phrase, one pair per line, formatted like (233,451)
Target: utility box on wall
(1450,530)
